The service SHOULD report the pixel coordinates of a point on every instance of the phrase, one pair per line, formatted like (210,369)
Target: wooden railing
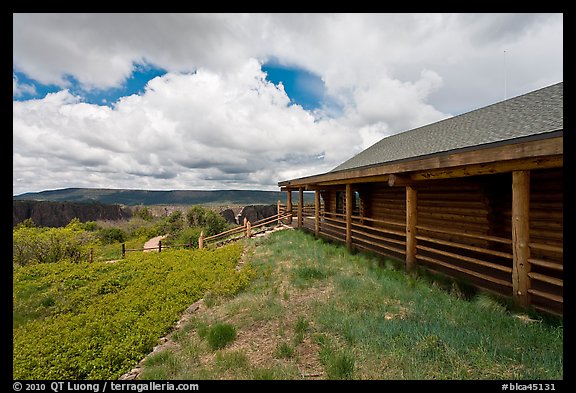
(246,230)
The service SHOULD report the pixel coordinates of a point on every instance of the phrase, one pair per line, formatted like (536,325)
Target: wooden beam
(300,205)
(349,216)
(411,222)
(398,180)
(521,236)
(490,168)
(316,212)
(366,179)
(289,205)
(523,152)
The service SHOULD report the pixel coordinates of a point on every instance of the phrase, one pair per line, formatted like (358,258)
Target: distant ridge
(146,197)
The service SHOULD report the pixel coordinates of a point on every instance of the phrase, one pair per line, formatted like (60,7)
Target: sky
(243,101)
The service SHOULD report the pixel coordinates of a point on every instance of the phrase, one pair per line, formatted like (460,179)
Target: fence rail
(246,230)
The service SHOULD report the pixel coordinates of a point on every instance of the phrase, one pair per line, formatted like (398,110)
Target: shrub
(112,235)
(49,245)
(212,222)
(220,335)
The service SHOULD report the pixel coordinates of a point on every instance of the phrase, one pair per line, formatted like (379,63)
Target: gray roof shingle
(534,113)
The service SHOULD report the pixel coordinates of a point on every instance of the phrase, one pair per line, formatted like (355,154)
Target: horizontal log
(331,225)
(379,244)
(384,239)
(451,217)
(490,168)
(465,247)
(389,248)
(483,288)
(332,220)
(387,222)
(546,295)
(547,264)
(471,225)
(334,237)
(550,280)
(547,310)
(547,247)
(466,234)
(466,259)
(450,196)
(480,212)
(466,271)
(383,230)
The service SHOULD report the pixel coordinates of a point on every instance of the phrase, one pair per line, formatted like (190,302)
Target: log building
(477,196)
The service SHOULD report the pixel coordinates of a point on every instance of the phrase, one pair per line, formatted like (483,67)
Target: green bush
(220,335)
(112,235)
(212,222)
(49,245)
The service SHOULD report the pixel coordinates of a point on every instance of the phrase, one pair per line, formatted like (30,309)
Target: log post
(159,245)
(317,212)
(300,203)
(123,250)
(91,255)
(289,205)
(521,236)
(411,222)
(248,229)
(278,212)
(349,216)
(201,241)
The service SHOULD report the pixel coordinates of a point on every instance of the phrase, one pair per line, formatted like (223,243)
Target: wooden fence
(246,230)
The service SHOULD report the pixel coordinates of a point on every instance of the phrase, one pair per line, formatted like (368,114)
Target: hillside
(176,197)
(59,214)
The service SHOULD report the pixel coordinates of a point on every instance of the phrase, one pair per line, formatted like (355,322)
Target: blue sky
(184,101)
(302,87)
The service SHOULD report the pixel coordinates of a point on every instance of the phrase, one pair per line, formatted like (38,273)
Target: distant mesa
(146,197)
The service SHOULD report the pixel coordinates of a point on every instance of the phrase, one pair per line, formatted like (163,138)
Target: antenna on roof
(505,76)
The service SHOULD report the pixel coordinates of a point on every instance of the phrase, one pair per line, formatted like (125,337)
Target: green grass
(220,335)
(314,310)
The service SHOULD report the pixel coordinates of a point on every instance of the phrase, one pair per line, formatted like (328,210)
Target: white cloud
(213,121)
(18,89)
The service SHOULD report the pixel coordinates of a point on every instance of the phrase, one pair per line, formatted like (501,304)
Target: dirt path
(148,246)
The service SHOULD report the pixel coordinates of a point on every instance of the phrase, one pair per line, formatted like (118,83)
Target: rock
(229,216)
(257,212)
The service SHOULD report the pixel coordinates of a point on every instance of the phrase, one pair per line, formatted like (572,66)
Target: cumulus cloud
(214,121)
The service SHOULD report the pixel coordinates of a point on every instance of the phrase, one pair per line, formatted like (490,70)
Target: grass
(316,311)
(220,335)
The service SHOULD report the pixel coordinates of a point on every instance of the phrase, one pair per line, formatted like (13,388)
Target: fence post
(278,211)
(91,255)
(123,250)
(248,229)
(159,245)
(201,240)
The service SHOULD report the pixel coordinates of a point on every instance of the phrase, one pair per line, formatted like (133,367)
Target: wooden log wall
(464,229)
(454,233)
(546,240)
(382,228)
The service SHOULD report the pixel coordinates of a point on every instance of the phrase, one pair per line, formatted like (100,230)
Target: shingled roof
(532,114)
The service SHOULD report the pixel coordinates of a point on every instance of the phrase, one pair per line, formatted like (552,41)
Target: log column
(300,203)
(289,204)
(411,222)
(521,236)
(349,216)
(317,212)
